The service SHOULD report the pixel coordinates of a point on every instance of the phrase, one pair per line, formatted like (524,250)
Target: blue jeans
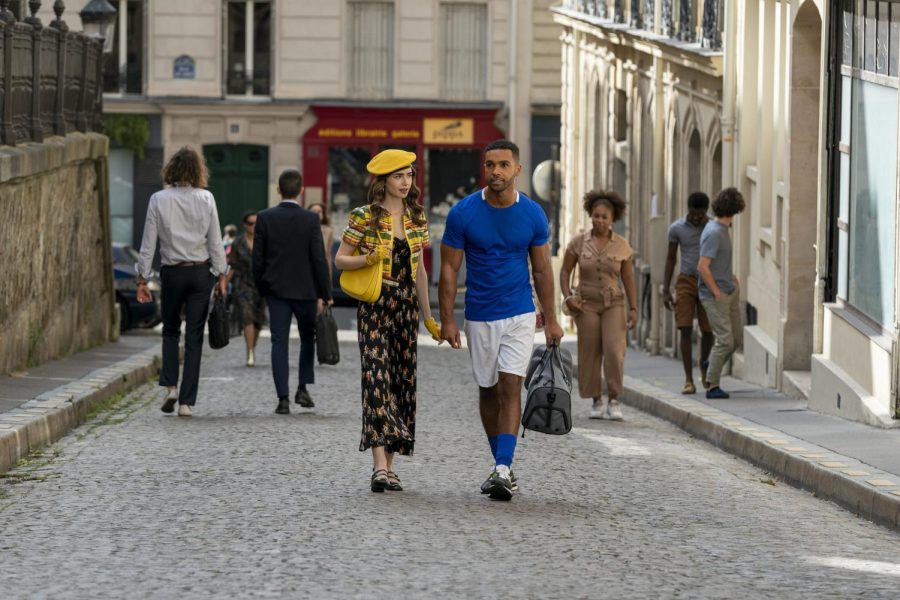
(281,310)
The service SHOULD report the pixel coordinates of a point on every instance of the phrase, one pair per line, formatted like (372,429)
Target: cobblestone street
(240,502)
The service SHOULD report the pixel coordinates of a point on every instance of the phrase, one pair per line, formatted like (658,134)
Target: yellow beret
(388,161)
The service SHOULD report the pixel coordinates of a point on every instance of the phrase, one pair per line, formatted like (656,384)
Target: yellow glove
(434,329)
(379,253)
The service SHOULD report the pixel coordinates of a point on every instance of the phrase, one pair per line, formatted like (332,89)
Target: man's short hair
(698,201)
(289,183)
(503,145)
(728,203)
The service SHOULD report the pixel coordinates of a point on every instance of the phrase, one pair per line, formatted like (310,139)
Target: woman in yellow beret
(390,229)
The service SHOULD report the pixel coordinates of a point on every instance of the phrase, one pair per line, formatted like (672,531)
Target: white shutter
(371,52)
(464,56)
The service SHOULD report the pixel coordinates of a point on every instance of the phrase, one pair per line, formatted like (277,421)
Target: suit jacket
(288,254)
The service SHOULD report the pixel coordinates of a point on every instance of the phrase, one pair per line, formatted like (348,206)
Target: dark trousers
(281,310)
(187,287)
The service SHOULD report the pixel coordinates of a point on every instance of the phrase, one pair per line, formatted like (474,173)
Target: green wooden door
(239,179)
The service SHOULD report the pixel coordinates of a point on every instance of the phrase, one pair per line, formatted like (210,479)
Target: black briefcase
(218,323)
(328,351)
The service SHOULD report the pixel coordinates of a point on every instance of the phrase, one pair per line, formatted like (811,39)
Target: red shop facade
(448,144)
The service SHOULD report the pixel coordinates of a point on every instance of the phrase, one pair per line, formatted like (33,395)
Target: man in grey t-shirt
(718,286)
(684,237)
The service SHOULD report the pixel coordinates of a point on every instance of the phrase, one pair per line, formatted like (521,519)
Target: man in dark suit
(291,273)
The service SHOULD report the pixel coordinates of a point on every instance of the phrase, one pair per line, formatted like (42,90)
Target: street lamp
(98,19)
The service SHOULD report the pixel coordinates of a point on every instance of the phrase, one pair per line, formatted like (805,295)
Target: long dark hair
(378,192)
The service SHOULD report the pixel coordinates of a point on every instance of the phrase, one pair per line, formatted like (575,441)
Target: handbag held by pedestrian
(218,323)
(548,408)
(364,283)
(328,351)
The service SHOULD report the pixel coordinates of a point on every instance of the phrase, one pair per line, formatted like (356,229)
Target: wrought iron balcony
(50,77)
(676,17)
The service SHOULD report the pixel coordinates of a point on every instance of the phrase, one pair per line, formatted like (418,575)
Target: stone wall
(56,290)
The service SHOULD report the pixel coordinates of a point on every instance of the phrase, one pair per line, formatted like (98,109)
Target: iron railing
(49,77)
(677,17)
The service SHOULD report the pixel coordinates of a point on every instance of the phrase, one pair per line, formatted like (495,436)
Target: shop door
(239,180)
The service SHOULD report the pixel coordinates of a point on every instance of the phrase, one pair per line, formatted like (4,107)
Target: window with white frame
(463,51)
(248,47)
(123,68)
(370,68)
(866,188)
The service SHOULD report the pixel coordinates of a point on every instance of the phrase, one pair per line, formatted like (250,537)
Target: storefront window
(873,193)
(121,194)
(347,182)
(867,166)
(452,175)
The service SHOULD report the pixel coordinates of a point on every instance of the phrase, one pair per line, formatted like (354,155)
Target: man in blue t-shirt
(498,229)
(718,287)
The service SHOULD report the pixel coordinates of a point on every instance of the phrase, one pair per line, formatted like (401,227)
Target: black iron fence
(677,17)
(49,77)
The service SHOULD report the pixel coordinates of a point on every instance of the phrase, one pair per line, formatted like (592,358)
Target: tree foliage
(131,132)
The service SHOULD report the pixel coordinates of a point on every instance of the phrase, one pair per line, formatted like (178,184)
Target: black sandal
(394,482)
(379,480)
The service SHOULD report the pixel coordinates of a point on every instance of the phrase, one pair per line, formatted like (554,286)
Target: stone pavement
(41,404)
(851,463)
(240,502)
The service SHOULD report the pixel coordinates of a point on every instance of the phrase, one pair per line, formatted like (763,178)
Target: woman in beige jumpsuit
(604,260)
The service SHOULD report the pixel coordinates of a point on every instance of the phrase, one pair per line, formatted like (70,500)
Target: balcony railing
(49,77)
(676,17)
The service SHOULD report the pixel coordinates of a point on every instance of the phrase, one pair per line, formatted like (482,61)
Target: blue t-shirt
(715,243)
(496,242)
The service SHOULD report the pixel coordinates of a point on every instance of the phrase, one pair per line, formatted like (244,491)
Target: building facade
(642,97)
(800,112)
(265,85)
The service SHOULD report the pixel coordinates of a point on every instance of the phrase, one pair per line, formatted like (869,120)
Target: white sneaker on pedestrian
(185,411)
(614,411)
(251,357)
(598,410)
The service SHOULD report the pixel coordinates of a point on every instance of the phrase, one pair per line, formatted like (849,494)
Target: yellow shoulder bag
(363,283)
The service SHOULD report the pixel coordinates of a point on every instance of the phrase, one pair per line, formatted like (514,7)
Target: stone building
(264,85)
(800,112)
(642,98)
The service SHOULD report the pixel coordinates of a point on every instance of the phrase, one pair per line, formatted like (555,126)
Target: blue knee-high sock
(506,448)
(492,440)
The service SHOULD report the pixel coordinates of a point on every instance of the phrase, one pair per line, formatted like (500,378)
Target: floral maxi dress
(388,330)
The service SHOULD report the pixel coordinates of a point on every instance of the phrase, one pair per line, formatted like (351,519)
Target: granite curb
(869,492)
(51,415)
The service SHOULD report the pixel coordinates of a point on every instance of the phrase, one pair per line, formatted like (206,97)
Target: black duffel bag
(328,351)
(218,323)
(548,408)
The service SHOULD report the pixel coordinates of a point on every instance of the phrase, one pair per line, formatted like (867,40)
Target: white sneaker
(598,410)
(251,358)
(614,411)
(185,411)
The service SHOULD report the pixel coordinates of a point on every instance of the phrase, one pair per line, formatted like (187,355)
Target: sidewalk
(855,465)
(40,405)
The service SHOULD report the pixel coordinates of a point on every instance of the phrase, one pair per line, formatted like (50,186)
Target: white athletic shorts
(503,345)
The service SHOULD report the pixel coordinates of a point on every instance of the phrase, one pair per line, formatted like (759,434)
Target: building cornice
(256,106)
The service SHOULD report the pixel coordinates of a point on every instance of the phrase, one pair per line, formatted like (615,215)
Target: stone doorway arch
(799,262)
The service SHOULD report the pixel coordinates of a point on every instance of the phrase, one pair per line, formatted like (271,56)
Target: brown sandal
(689,388)
(394,482)
(379,480)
